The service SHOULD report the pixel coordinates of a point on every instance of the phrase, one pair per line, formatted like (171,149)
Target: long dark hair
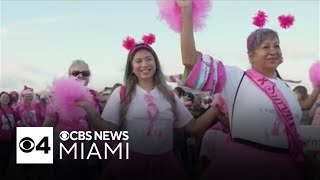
(130,81)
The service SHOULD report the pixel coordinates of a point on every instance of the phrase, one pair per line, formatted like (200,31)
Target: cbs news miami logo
(34,145)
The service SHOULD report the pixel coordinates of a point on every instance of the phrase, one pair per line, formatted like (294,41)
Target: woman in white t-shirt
(263,111)
(149,111)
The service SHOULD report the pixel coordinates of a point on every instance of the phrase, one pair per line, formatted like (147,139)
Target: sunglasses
(84,73)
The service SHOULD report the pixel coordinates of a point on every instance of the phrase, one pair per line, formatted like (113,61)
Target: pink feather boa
(171,13)
(65,92)
(314,73)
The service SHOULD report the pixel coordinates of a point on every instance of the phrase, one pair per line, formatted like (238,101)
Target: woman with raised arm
(263,111)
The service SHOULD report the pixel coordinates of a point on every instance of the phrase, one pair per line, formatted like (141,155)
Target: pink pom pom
(65,91)
(149,39)
(286,21)
(171,13)
(129,43)
(314,73)
(260,19)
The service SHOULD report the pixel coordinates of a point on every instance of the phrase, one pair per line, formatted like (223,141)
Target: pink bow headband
(130,44)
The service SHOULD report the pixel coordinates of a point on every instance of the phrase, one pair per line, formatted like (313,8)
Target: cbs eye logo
(27,145)
(34,145)
(64,135)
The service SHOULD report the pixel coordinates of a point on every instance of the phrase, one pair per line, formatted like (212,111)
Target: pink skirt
(239,161)
(144,167)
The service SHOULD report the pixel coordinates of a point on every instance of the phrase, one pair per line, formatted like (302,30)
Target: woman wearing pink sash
(262,110)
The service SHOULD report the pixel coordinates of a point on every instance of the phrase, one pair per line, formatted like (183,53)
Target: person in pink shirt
(42,99)
(67,167)
(80,70)
(8,118)
(29,110)
(14,96)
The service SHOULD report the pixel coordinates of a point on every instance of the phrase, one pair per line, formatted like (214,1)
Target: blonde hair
(78,62)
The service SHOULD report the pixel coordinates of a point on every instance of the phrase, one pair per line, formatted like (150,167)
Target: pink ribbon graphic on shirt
(153,112)
(275,129)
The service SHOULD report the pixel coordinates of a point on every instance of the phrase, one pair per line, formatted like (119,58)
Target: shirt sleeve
(207,74)
(111,111)
(183,114)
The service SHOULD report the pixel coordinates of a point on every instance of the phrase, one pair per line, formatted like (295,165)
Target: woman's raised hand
(184,3)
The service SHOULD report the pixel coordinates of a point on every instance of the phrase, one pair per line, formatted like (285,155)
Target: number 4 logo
(43,145)
(34,145)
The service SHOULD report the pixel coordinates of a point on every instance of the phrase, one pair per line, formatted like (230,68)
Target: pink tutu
(142,166)
(239,161)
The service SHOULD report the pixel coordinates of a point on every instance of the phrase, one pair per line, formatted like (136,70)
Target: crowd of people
(245,127)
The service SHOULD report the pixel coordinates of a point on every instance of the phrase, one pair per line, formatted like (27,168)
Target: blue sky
(39,39)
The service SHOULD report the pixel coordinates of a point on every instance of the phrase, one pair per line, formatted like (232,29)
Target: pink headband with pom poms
(260,19)
(130,44)
(285,21)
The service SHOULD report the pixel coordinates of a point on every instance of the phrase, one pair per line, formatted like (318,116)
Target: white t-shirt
(161,139)
(254,116)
